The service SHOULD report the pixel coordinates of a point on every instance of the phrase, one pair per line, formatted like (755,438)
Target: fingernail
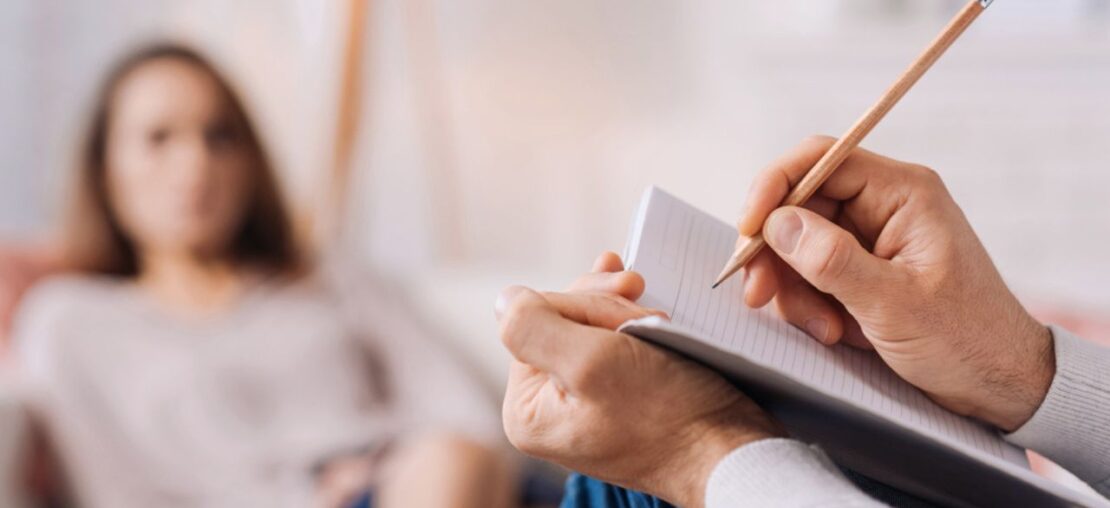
(784,230)
(818,328)
(504,298)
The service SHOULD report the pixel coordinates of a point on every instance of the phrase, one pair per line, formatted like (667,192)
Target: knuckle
(763,180)
(595,370)
(928,176)
(581,378)
(583,282)
(608,298)
(932,187)
(586,376)
(515,324)
(611,301)
(832,264)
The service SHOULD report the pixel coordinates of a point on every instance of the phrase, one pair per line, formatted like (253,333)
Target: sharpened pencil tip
(715,284)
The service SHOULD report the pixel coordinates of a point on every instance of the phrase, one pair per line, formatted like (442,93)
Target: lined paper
(679,251)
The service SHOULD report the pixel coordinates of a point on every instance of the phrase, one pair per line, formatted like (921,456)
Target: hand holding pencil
(882,257)
(880,236)
(747,248)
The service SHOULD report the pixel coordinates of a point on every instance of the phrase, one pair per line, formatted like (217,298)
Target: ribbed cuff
(781,473)
(1072,426)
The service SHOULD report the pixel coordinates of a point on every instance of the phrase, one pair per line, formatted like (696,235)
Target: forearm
(1072,425)
(783,473)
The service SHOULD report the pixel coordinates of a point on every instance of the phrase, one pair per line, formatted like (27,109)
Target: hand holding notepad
(844,398)
(608,405)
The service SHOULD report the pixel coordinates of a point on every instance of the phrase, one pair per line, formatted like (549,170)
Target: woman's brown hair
(93,239)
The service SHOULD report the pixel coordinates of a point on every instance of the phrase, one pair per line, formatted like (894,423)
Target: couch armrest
(20,267)
(14,439)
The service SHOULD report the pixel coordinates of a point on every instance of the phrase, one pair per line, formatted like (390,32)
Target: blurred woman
(196,359)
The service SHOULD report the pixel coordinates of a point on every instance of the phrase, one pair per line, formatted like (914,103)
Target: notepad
(845,399)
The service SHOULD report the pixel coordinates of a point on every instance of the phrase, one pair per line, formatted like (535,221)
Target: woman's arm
(428,386)
(450,449)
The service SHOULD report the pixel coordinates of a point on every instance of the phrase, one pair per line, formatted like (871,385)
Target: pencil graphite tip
(729,270)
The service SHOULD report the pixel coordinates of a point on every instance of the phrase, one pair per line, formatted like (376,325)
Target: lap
(586,492)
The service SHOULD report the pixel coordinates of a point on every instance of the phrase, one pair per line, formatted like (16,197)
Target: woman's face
(178,168)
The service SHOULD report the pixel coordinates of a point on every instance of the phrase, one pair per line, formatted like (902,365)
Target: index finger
(553,333)
(773,184)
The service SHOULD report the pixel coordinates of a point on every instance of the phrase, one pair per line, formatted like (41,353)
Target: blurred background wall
(507,142)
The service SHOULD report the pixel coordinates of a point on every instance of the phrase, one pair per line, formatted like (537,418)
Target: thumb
(825,255)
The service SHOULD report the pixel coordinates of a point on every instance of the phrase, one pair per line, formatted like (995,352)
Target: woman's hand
(342,480)
(883,257)
(610,405)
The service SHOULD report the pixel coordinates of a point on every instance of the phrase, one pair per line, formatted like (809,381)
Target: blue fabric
(366,500)
(537,489)
(586,492)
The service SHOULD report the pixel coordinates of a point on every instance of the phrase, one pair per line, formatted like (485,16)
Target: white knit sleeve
(1072,426)
(782,473)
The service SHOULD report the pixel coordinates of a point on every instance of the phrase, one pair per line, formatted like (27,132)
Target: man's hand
(883,257)
(612,406)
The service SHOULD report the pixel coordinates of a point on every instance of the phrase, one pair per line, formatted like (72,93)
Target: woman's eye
(221,136)
(158,137)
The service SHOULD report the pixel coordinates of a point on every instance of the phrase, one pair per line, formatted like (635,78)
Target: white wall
(20,188)
(549,118)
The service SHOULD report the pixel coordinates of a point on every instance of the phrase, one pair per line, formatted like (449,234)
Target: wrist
(1029,377)
(708,444)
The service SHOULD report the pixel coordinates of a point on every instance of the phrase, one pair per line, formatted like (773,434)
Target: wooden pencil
(851,139)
